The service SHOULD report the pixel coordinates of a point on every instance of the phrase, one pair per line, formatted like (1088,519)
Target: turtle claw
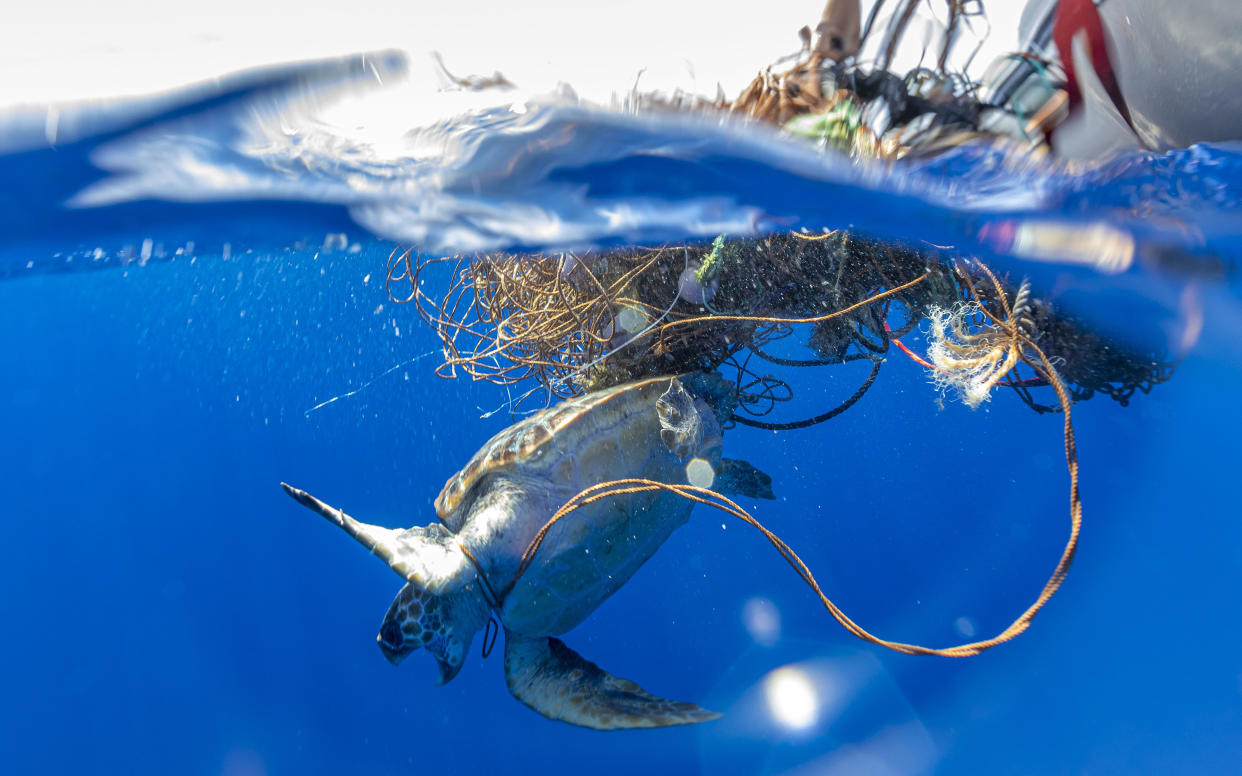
(300,496)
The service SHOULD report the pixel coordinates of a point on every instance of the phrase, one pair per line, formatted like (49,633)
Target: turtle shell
(541,442)
(498,503)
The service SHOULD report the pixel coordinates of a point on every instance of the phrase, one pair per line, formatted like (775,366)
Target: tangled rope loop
(1010,325)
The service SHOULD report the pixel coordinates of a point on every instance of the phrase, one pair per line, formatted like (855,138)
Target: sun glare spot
(791,698)
(700,473)
(632,320)
(762,621)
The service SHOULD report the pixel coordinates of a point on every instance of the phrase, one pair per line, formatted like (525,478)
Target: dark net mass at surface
(557,326)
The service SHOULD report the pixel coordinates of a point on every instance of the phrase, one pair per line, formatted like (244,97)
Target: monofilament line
(368,383)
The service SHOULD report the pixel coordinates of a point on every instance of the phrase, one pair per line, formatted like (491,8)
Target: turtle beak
(392,642)
(447,671)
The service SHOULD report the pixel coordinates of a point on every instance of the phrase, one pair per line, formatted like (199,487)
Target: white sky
(67,50)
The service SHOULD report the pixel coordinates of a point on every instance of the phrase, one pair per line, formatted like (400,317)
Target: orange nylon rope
(811,319)
(713,499)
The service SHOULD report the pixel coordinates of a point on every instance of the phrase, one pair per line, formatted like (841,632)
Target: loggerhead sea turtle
(461,569)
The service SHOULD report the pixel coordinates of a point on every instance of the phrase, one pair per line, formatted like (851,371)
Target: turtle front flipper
(739,478)
(558,683)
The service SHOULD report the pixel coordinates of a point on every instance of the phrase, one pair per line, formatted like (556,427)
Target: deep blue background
(167,609)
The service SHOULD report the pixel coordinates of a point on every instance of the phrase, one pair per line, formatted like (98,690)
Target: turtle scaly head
(442,604)
(443,623)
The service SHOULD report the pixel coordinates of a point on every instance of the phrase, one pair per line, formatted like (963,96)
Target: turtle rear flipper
(558,683)
(739,478)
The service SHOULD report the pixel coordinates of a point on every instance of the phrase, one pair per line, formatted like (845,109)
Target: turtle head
(442,604)
(443,622)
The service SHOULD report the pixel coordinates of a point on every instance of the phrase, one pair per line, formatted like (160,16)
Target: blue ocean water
(187,282)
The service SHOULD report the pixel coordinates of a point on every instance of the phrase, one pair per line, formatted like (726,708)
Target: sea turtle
(461,569)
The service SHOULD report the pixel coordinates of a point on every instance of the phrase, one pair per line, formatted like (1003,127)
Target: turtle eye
(391,634)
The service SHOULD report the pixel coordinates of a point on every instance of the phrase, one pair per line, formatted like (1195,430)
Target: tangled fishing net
(548,327)
(553,327)
(560,326)
(841,91)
